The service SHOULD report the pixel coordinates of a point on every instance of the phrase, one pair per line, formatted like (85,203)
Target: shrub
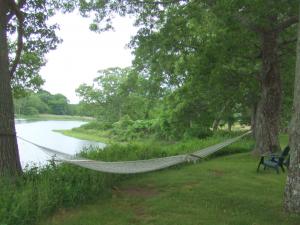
(197,132)
(123,123)
(97,125)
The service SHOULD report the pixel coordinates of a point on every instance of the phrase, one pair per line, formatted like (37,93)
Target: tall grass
(146,149)
(41,191)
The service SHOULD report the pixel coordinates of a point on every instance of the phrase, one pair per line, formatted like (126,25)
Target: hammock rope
(138,166)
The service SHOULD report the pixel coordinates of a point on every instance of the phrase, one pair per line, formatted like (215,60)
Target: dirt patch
(134,199)
(217,173)
(136,191)
(139,211)
(190,185)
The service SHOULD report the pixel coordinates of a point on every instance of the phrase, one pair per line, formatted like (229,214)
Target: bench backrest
(283,155)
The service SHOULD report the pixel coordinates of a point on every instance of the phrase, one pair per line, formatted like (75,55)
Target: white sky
(83,53)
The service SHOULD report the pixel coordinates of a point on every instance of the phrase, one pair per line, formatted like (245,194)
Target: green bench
(275,161)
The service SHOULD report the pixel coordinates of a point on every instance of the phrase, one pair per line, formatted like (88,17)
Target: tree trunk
(268,108)
(292,188)
(217,120)
(253,119)
(216,124)
(229,126)
(9,155)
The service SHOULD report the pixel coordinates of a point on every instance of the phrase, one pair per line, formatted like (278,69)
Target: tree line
(43,102)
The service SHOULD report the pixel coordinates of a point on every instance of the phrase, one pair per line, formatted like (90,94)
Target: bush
(123,123)
(197,132)
(97,125)
(127,129)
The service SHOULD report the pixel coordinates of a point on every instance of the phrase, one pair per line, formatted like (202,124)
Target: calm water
(41,133)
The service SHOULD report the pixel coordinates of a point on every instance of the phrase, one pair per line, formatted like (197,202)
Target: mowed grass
(219,191)
(90,135)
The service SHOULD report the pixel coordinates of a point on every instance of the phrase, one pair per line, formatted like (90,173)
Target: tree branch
(20,4)
(287,23)
(244,21)
(15,10)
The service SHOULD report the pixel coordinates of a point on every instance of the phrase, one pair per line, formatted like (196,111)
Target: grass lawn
(90,135)
(224,190)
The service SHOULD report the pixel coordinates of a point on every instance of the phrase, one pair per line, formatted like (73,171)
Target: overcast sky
(83,53)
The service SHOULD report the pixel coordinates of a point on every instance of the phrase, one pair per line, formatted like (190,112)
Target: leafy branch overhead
(16,10)
(30,37)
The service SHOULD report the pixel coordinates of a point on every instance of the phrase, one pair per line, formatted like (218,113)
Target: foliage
(29,104)
(38,37)
(147,148)
(96,125)
(43,102)
(116,92)
(30,111)
(196,69)
(42,191)
(206,56)
(126,129)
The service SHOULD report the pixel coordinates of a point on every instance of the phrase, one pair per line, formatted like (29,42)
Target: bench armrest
(271,155)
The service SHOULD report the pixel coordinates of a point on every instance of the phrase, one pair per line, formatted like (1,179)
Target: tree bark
(253,119)
(229,123)
(9,154)
(215,125)
(268,108)
(292,188)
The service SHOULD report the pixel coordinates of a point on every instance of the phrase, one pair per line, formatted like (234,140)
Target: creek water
(42,133)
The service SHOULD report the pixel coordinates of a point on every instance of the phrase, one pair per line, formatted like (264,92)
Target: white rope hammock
(139,166)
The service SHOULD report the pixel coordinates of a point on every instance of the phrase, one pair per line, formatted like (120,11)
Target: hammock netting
(138,166)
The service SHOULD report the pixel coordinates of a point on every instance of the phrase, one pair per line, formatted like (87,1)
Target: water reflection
(41,133)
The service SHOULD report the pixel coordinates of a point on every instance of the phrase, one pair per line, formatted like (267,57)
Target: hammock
(138,166)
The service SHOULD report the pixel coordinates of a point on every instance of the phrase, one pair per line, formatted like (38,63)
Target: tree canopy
(212,58)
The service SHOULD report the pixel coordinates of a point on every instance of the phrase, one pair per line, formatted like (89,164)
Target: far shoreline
(54,117)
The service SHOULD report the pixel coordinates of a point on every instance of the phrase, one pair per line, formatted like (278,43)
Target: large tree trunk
(268,108)
(292,188)
(9,155)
